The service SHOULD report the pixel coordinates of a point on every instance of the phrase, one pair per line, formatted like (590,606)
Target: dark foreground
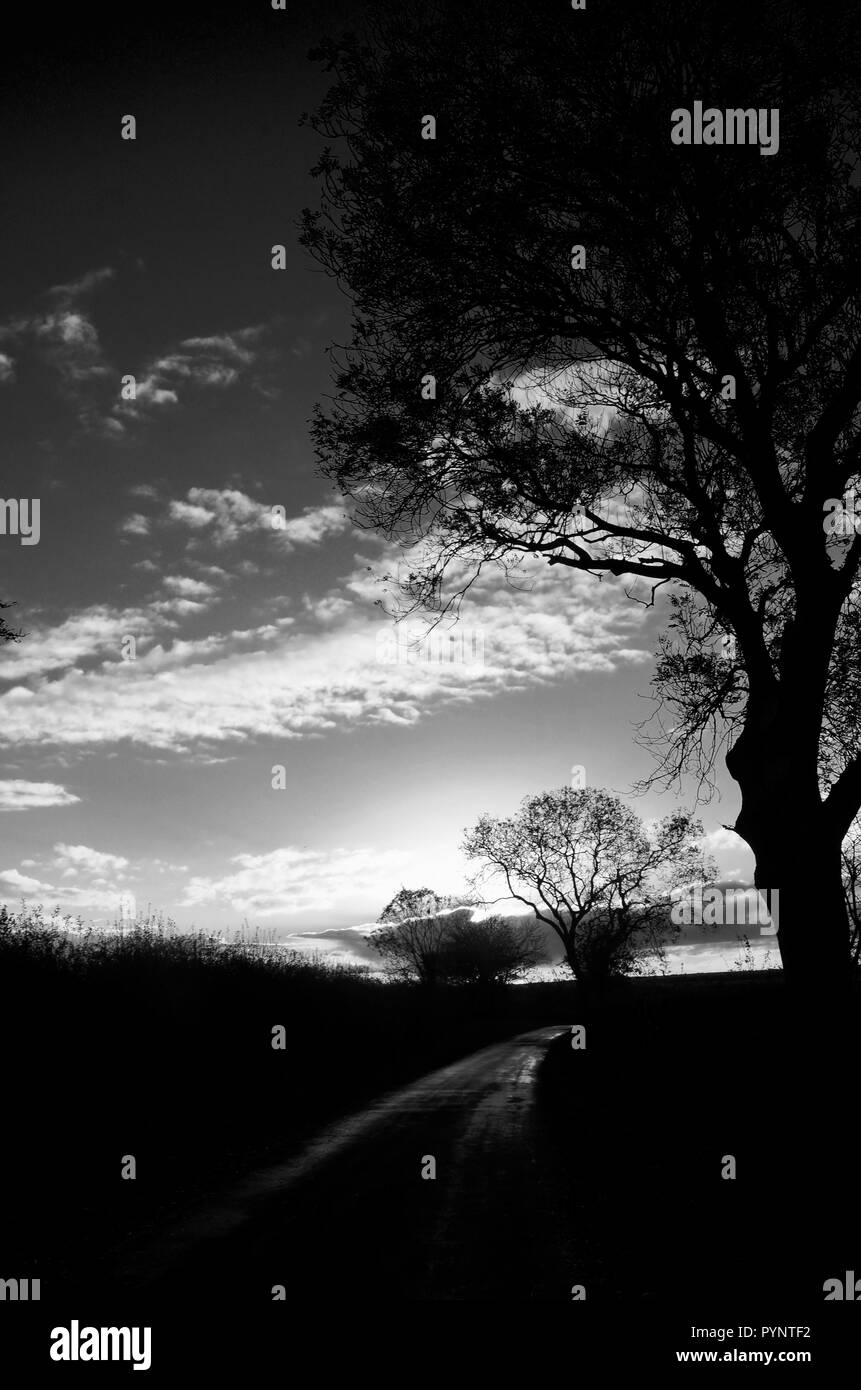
(597,1169)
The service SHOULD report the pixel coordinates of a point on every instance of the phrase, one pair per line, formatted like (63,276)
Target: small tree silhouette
(432,939)
(585,864)
(8,634)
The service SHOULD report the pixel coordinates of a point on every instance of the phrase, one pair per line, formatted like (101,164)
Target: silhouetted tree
(492,951)
(419,902)
(412,949)
(412,943)
(441,944)
(698,366)
(8,634)
(587,866)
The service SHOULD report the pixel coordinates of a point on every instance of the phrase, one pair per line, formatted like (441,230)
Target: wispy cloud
(290,880)
(96,633)
(84,285)
(86,878)
(14,884)
(315,524)
(203,363)
(289,680)
(19,795)
(223,516)
(227,514)
(62,332)
(186,587)
(82,859)
(75,877)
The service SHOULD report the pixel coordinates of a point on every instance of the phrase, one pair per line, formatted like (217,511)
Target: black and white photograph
(430,686)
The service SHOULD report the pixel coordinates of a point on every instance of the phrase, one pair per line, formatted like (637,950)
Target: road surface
(351,1216)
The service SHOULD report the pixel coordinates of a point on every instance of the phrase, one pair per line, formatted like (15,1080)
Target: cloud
(721,840)
(136,525)
(183,607)
(734,856)
(186,587)
(227,346)
(287,881)
(83,859)
(191,514)
(15,883)
(62,332)
(85,877)
(315,524)
(72,344)
(18,795)
(148,393)
(304,676)
(70,897)
(94,632)
(214,570)
(84,285)
(200,363)
(99,634)
(226,514)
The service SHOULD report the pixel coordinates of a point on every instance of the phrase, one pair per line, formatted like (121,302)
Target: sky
(274,753)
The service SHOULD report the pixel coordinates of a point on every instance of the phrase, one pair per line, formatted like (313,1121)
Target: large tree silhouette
(696,369)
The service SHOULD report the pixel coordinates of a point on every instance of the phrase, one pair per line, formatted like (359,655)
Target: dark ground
(599,1167)
(676,1075)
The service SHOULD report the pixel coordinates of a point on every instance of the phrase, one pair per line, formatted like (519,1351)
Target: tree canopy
(576,339)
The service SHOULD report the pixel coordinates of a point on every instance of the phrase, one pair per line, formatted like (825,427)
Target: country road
(350,1216)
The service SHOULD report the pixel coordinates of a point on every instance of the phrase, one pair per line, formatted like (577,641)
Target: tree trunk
(813,929)
(797,851)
